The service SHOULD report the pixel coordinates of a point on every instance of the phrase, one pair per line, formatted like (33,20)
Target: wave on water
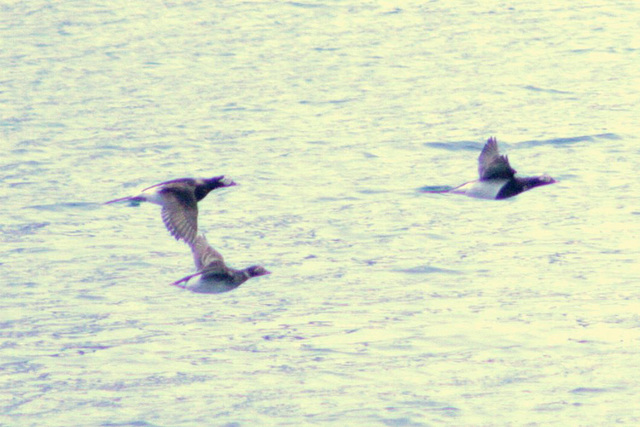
(456,145)
(477,145)
(569,140)
(56,207)
(427,269)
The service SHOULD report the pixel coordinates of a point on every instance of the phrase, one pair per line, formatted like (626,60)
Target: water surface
(386,306)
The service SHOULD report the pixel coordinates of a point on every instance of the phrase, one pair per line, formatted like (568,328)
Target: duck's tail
(179,284)
(133,199)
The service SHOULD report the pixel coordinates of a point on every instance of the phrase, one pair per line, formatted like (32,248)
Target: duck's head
(257,270)
(220,182)
(537,181)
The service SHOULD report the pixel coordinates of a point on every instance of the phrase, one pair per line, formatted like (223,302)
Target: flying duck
(179,200)
(215,276)
(497,178)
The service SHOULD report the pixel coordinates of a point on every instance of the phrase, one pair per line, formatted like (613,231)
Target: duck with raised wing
(215,276)
(497,177)
(179,200)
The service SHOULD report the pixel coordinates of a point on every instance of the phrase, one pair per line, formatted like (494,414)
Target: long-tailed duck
(215,276)
(179,200)
(497,177)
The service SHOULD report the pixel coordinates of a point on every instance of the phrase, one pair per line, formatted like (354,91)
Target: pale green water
(385,306)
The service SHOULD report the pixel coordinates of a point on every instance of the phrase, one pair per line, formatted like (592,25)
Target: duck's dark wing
(208,261)
(204,256)
(491,165)
(180,213)
(183,182)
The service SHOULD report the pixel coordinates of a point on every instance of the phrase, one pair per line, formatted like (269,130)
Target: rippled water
(386,306)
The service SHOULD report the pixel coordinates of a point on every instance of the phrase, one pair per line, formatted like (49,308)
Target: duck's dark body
(497,177)
(179,200)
